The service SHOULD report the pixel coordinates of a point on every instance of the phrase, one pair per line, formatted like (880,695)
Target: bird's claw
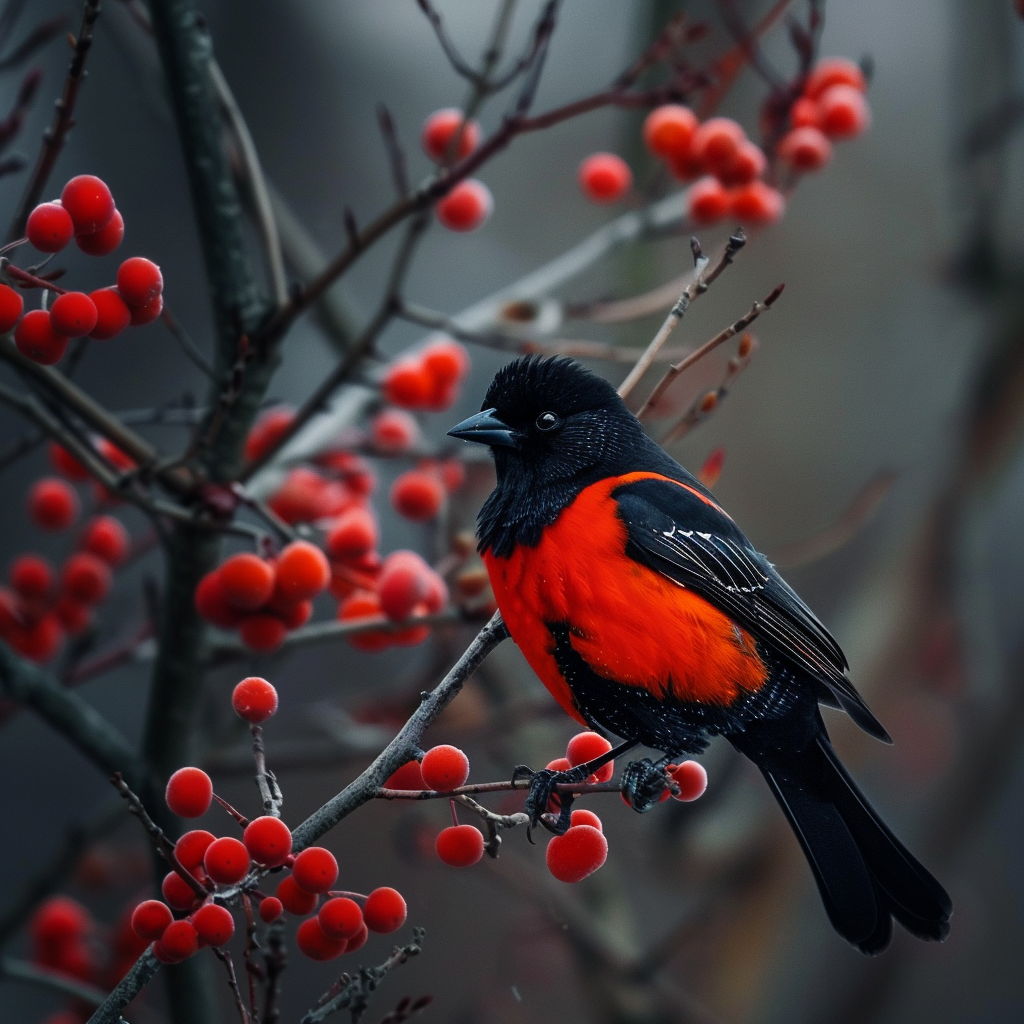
(643,783)
(541,795)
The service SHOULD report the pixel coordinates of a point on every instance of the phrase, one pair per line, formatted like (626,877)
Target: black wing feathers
(674,531)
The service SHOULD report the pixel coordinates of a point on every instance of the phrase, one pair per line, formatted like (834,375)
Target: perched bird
(648,615)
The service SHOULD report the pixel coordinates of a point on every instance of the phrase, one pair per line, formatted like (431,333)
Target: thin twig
(56,981)
(127,989)
(188,346)
(270,792)
(224,956)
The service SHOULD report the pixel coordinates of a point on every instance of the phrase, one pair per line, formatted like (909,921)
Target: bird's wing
(677,531)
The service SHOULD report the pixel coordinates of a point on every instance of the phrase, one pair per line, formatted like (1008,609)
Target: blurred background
(893,362)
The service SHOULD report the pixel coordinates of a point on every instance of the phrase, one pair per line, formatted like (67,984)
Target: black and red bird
(648,615)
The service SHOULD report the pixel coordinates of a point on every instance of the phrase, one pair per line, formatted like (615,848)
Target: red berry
(444,768)
(89,202)
(142,315)
(687,167)
(150,919)
(439,129)
(106,538)
(757,203)
(708,201)
(341,918)
(834,71)
(178,893)
(268,840)
(179,941)
(11,306)
(49,227)
(302,572)
(747,165)
(716,143)
(267,430)
(271,909)
(804,114)
(805,149)
(691,778)
(315,869)
(112,314)
(402,584)
(60,921)
(585,746)
(605,177)
(254,699)
(38,642)
(295,900)
(117,458)
(315,943)
(105,240)
(445,361)
(576,854)
(417,495)
(394,432)
(85,578)
(65,463)
(294,615)
(247,581)
(453,474)
(362,605)
(262,632)
(407,384)
(214,924)
(359,941)
(192,846)
(73,615)
(585,817)
(31,577)
(843,112)
(139,281)
(212,603)
(460,846)
(226,860)
(52,504)
(37,340)
(466,207)
(189,792)
(384,910)
(73,314)
(668,131)
(408,776)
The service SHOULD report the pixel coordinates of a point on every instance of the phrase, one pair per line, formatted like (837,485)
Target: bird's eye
(547,421)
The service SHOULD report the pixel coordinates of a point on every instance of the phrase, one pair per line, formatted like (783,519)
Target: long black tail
(865,875)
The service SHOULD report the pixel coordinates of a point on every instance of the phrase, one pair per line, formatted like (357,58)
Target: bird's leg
(644,782)
(542,788)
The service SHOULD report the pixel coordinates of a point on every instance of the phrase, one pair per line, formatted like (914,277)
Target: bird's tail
(865,875)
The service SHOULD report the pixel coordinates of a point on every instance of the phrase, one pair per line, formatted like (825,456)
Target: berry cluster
(185,921)
(86,213)
(429,378)
(468,205)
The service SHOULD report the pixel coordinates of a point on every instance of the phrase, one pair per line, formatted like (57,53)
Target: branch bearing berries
(49,227)
(466,207)
(605,177)
(460,846)
(268,840)
(226,860)
(189,793)
(384,911)
(315,870)
(89,202)
(255,700)
(444,768)
(576,854)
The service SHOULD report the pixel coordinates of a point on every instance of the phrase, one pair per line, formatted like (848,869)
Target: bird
(649,616)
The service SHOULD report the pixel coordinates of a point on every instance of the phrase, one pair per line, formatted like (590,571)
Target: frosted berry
(408,776)
(37,340)
(444,768)
(31,577)
(834,71)
(460,846)
(691,778)
(716,143)
(89,202)
(439,129)
(605,177)
(247,581)
(106,538)
(254,699)
(85,578)
(192,846)
(384,910)
(804,114)
(52,504)
(142,315)
(394,432)
(267,430)
(262,632)
(407,384)
(466,207)
(302,571)
(708,201)
(295,900)
(226,860)
(805,149)
(668,131)
(417,495)
(112,314)
(268,840)
(359,940)
(177,892)
(73,314)
(843,112)
(139,281)
(453,474)
(38,642)
(150,919)
(73,615)
(576,854)
(746,166)
(212,603)
(271,909)
(315,943)
(189,792)
(60,921)
(758,204)
(445,361)
(341,918)
(49,227)
(585,817)
(315,869)
(105,240)
(179,941)
(214,924)
(11,306)
(363,605)
(585,746)
(402,584)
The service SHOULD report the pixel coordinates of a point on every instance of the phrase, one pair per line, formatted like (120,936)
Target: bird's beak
(485,428)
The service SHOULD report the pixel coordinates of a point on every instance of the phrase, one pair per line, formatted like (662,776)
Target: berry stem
(236,814)
(350,895)
(455,816)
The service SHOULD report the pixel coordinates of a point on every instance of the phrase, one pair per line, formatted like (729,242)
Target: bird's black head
(553,428)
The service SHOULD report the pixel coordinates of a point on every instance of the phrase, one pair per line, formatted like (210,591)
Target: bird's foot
(544,805)
(644,783)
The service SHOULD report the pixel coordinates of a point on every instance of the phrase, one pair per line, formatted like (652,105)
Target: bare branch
(56,981)
(127,989)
